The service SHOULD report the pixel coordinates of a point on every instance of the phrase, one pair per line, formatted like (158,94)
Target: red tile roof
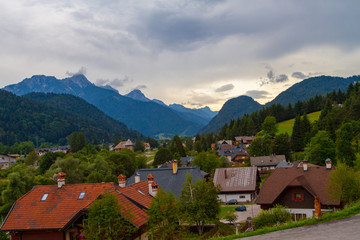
(62,205)
(314,180)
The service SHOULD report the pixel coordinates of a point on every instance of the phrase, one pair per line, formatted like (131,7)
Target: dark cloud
(281,78)
(225,88)
(257,94)
(82,71)
(270,74)
(298,75)
(272,78)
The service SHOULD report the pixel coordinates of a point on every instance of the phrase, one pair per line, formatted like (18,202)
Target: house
(124,144)
(147,146)
(57,211)
(6,161)
(239,159)
(186,161)
(43,151)
(300,189)
(245,140)
(169,179)
(241,183)
(266,163)
(224,144)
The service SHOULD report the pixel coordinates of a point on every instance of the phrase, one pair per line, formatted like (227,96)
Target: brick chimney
(174,167)
(305,165)
(328,164)
(137,177)
(121,179)
(154,189)
(150,179)
(60,179)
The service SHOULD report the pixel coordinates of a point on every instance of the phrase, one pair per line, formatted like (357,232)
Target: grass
(287,126)
(345,213)
(224,209)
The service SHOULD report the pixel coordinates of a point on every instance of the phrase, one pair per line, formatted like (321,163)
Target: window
(298,197)
(242,196)
(44,197)
(81,196)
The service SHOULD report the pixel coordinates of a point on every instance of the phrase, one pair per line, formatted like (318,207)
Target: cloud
(115,83)
(298,75)
(272,78)
(82,71)
(141,87)
(257,94)
(225,88)
(281,78)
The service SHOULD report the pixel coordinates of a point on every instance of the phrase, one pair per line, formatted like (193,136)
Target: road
(344,229)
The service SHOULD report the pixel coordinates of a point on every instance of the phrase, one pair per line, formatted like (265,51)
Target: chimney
(137,177)
(154,189)
(121,179)
(174,167)
(328,164)
(60,179)
(150,179)
(305,165)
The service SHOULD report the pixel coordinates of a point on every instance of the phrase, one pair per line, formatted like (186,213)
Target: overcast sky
(192,52)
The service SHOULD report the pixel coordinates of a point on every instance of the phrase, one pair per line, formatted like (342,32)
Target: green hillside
(287,126)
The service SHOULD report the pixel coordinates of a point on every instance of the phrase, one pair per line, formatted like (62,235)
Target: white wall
(227,197)
(309,212)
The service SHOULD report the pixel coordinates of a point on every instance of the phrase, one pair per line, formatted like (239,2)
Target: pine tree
(297,137)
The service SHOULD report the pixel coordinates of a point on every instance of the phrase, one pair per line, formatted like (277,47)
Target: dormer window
(81,196)
(44,197)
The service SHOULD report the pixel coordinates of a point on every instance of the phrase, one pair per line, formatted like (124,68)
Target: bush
(271,217)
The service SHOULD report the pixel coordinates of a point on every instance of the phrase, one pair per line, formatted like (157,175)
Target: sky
(192,52)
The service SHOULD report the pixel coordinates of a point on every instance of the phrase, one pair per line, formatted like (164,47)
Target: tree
(261,146)
(116,141)
(164,216)
(306,126)
(49,159)
(281,145)
(31,158)
(344,184)
(73,168)
(108,220)
(77,141)
(199,203)
(344,152)
(320,148)
(139,145)
(207,162)
(153,143)
(297,137)
(269,126)
(176,146)
(162,156)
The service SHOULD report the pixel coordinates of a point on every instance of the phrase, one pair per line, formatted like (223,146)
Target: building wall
(307,213)
(39,235)
(287,198)
(241,197)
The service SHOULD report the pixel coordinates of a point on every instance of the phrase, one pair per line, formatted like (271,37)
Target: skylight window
(81,196)
(44,197)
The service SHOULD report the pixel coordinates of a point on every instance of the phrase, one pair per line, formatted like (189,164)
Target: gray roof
(284,164)
(166,179)
(271,160)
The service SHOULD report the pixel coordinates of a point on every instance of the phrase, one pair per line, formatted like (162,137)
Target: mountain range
(151,117)
(306,89)
(41,117)
(156,119)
